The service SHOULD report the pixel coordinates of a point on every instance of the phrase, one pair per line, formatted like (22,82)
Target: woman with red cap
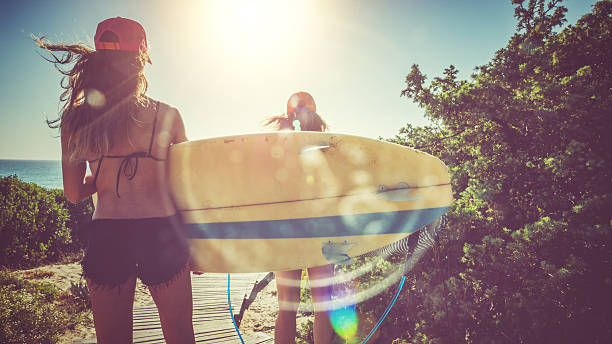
(108,123)
(301,116)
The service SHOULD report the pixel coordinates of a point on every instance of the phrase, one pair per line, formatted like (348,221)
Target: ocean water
(46,173)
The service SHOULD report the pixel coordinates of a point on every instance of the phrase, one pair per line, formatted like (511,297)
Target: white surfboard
(286,200)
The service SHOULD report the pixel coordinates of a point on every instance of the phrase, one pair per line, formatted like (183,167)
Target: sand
(260,317)
(261,314)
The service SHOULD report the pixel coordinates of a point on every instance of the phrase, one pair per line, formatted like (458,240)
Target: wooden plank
(212,322)
(257,338)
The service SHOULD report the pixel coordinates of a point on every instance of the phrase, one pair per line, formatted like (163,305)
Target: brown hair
(312,122)
(100,90)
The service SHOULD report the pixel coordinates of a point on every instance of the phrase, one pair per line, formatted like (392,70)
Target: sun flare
(258,28)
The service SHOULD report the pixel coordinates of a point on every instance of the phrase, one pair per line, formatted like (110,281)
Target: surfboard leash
(424,242)
(229,303)
(382,318)
(386,311)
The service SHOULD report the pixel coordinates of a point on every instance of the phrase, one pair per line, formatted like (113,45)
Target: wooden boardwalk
(212,322)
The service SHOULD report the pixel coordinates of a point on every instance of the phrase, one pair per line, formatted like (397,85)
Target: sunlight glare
(95,98)
(259,28)
(249,14)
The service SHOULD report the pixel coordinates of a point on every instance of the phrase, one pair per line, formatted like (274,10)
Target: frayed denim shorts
(153,249)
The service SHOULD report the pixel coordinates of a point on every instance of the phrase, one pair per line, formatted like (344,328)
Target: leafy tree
(526,257)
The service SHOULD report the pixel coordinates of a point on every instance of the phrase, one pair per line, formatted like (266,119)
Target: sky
(227,65)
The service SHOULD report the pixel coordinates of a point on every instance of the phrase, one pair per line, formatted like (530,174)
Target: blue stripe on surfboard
(405,221)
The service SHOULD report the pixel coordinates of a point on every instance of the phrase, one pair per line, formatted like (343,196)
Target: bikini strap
(129,163)
(128,167)
(154,125)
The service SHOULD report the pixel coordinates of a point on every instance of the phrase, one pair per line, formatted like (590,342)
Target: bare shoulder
(170,122)
(165,110)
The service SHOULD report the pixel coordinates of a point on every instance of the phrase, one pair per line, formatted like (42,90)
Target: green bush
(305,295)
(526,257)
(80,216)
(27,318)
(32,312)
(305,333)
(38,225)
(80,293)
(370,310)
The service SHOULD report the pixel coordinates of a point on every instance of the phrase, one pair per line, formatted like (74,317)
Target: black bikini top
(129,164)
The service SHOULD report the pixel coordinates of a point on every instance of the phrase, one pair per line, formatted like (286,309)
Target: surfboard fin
(337,252)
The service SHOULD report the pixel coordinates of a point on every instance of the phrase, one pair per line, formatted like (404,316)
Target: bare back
(131,183)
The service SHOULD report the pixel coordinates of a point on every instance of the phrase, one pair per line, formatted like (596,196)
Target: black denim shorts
(153,249)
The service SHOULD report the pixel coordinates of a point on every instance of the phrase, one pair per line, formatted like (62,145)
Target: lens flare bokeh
(344,321)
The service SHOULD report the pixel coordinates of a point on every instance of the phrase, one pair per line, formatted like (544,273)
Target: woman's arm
(178,136)
(77,186)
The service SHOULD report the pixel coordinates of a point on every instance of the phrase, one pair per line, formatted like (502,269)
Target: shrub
(32,312)
(368,311)
(36,224)
(35,274)
(305,333)
(80,294)
(305,295)
(80,216)
(27,318)
(32,223)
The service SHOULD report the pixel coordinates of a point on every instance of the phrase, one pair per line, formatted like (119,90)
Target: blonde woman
(108,123)
(302,116)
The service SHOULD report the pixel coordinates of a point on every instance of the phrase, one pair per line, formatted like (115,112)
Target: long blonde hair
(103,91)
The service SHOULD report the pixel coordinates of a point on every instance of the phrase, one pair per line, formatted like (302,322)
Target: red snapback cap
(301,101)
(130,34)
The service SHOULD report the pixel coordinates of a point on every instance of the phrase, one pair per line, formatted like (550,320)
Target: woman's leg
(288,292)
(321,293)
(112,310)
(175,306)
